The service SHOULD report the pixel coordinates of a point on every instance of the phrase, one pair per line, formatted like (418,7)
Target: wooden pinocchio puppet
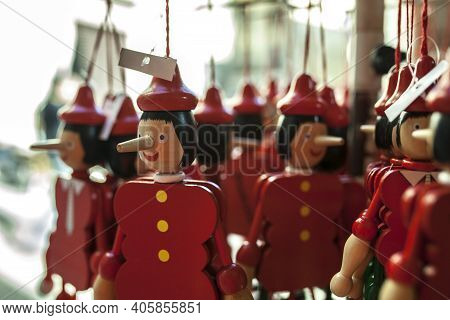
(170,243)
(420,270)
(214,133)
(78,200)
(381,226)
(336,118)
(300,231)
(123,166)
(248,161)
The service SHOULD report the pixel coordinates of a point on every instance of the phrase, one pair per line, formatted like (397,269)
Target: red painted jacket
(241,174)
(382,223)
(170,243)
(299,219)
(83,228)
(424,262)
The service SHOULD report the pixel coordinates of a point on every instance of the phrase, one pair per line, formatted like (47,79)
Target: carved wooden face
(412,148)
(73,153)
(166,154)
(305,153)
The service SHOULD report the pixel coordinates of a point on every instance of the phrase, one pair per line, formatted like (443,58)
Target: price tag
(414,91)
(160,67)
(111,109)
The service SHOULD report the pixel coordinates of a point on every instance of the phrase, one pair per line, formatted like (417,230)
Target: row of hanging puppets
(161,232)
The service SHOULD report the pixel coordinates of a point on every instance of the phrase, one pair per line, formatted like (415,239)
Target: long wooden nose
(328,141)
(422,134)
(367,128)
(53,144)
(134,145)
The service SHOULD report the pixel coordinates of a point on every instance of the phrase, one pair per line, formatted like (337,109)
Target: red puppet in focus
(170,243)
(299,230)
(420,270)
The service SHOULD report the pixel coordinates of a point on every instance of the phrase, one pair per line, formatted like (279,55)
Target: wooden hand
(244,294)
(393,290)
(250,272)
(356,252)
(104,289)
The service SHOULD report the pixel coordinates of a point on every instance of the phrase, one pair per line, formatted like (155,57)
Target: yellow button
(305,186)
(305,211)
(162,226)
(305,235)
(161,196)
(163,255)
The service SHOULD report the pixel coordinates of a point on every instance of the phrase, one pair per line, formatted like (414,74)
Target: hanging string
(98,39)
(289,47)
(117,42)
(407,24)
(212,62)
(411,31)
(109,64)
(322,45)
(212,71)
(167,29)
(424,45)
(308,27)
(399,32)
(445,42)
(246,38)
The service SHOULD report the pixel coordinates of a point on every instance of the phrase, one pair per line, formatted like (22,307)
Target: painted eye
(70,145)
(162,138)
(416,126)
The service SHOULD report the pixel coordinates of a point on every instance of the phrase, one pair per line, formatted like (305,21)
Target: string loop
(167,29)
(399,32)
(307,38)
(322,45)
(424,45)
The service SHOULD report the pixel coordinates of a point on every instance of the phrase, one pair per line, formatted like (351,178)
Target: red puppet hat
(381,104)
(82,110)
(212,110)
(163,95)
(439,98)
(272,91)
(335,115)
(249,102)
(405,77)
(302,98)
(423,65)
(127,119)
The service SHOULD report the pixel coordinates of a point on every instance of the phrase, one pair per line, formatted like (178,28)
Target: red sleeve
(405,266)
(366,226)
(112,260)
(100,217)
(249,254)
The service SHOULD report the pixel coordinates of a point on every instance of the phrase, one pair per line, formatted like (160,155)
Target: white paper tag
(414,91)
(111,109)
(160,67)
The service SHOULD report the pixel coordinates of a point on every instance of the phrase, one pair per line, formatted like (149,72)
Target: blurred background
(43,60)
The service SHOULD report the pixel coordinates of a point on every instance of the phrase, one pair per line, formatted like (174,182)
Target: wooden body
(81,231)
(385,212)
(299,219)
(424,261)
(238,183)
(169,247)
